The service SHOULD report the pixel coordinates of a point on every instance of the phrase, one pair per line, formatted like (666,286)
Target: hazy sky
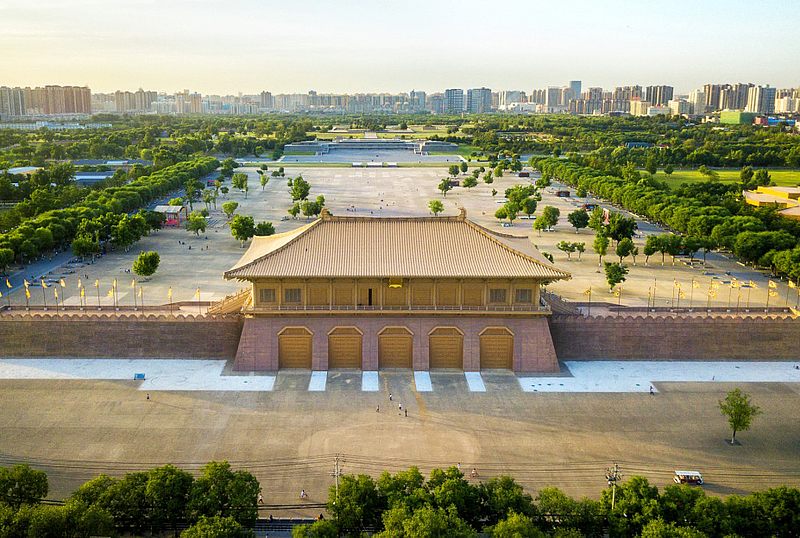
(228,46)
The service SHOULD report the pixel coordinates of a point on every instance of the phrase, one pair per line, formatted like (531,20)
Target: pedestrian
(458,466)
(303,494)
(148,396)
(378,408)
(651,390)
(406,412)
(260,499)
(400,406)
(390,396)
(474,472)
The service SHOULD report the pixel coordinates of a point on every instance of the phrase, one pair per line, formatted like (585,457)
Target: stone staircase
(231,304)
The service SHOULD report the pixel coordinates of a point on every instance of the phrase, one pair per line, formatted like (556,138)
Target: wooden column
(486,294)
(355,294)
(435,292)
(280,293)
(460,296)
(330,293)
(409,294)
(382,291)
(304,291)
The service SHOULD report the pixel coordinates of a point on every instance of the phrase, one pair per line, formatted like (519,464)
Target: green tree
(579,219)
(550,215)
(746,174)
(668,170)
(21,484)
(517,526)
(358,505)
(264,180)
(597,220)
(436,206)
(469,182)
(445,186)
(651,246)
(762,178)
(651,166)
(500,497)
(580,192)
(636,505)
(615,274)
(229,208)
(321,528)
(463,167)
(239,181)
(566,247)
(498,171)
(600,246)
(539,224)
(453,170)
(657,528)
(624,249)
(672,244)
(580,248)
(83,245)
(242,228)
(739,411)
(488,178)
(294,210)
(217,527)
(146,263)
(196,223)
(223,492)
(299,189)
(426,522)
(264,228)
(167,491)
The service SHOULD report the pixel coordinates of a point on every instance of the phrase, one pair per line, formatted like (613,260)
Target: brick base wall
(533,346)
(124,336)
(669,338)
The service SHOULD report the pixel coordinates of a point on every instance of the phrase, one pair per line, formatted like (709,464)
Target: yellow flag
(27,292)
(197,293)
(96,283)
(63,284)
(734,284)
(115,283)
(133,283)
(681,295)
(83,292)
(1,294)
(715,285)
(44,284)
(26,284)
(712,294)
(111,292)
(773,284)
(8,284)
(140,292)
(695,283)
(792,284)
(169,293)
(80,284)
(588,292)
(752,284)
(773,293)
(55,292)
(617,293)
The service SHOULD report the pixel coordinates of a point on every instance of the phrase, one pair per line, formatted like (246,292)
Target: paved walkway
(583,376)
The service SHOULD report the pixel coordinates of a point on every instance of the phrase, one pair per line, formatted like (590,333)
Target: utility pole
(612,475)
(337,472)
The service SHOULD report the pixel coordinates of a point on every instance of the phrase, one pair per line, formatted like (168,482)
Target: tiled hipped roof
(426,247)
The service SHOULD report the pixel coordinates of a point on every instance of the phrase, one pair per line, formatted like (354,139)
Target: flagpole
(199,311)
(590,301)
(708,301)
(133,286)
(97,286)
(786,304)
(141,298)
(747,306)
(769,292)
(44,296)
(691,296)
(27,296)
(730,292)
(655,286)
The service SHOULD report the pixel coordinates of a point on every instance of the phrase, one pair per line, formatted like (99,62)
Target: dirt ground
(289,437)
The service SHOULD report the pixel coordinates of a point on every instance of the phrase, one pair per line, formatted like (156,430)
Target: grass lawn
(780,177)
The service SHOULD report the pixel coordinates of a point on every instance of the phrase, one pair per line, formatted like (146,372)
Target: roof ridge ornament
(462,213)
(325,214)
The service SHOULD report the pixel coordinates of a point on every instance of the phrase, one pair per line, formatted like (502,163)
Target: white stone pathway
(475,382)
(637,376)
(318,381)
(369,381)
(160,374)
(422,382)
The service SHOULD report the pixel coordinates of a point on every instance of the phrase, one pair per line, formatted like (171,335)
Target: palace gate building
(374,292)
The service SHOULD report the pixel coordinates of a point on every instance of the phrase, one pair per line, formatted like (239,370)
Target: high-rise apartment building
(574,90)
(553,97)
(418,100)
(761,100)
(697,100)
(505,98)
(266,101)
(12,101)
(58,100)
(453,101)
(479,100)
(658,95)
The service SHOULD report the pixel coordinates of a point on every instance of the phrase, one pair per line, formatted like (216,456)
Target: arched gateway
(366,292)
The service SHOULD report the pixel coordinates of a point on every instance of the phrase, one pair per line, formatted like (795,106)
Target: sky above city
(349,46)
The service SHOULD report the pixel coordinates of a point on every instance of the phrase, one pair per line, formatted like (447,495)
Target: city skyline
(248,46)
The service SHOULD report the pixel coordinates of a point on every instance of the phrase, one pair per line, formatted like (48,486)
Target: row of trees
(56,228)
(711,214)
(151,501)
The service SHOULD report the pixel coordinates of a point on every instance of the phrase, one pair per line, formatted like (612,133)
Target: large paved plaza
(287,433)
(402,192)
